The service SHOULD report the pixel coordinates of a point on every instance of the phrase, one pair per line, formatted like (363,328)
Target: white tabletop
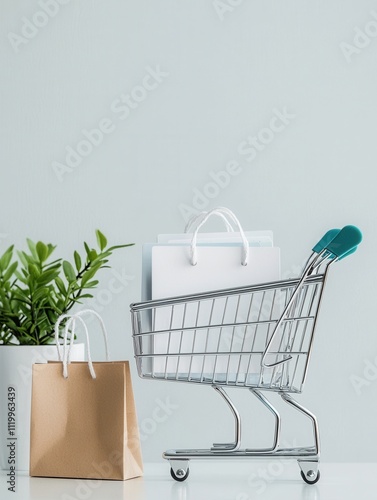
(231,480)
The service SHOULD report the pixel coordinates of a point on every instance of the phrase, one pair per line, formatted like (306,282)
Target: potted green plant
(35,289)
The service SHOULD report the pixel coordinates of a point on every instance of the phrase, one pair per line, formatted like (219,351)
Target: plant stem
(78,276)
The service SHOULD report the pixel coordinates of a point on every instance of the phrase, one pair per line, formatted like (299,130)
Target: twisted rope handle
(64,356)
(223,212)
(196,219)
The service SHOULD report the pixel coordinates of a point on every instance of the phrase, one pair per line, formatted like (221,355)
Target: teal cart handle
(325,240)
(353,250)
(345,242)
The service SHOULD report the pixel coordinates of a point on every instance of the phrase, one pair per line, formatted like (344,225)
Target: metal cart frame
(257,337)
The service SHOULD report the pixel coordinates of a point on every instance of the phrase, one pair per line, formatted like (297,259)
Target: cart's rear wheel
(180,475)
(311,477)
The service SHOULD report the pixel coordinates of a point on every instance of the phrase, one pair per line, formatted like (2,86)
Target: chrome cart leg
(237,419)
(273,410)
(179,469)
(309,466)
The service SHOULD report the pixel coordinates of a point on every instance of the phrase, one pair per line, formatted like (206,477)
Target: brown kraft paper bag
(84,427)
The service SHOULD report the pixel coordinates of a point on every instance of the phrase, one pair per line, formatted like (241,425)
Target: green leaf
(33,270)
(24,276)
(40,293)
(56,263)
(53,305)
(92,255)
(10,271)
(22,296)
(91,284)
(103,255)
(32,248)
(6,258)
(23,258)
(101,239)
(55,267)
(60,285)
(60,304)
(88,275)
(69,271)
(42,251)
(13,325)
(84,296)
(20,277)
(77,260)
(120,246)
(46,277)
(50,249)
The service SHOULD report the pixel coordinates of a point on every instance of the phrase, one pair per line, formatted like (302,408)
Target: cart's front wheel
(180,474)
(311,477)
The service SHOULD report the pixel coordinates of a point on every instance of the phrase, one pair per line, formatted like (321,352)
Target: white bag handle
(224,211)
(196,219)
(71,323)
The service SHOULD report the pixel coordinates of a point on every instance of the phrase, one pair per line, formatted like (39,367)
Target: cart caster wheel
(180,475)
(311,478)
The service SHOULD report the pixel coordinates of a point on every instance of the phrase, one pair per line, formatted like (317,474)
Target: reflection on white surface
(310,492)
(208,480)
(180,491)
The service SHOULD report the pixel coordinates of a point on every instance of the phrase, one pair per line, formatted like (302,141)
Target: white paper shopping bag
(219,266)
(254,238)
(189,269)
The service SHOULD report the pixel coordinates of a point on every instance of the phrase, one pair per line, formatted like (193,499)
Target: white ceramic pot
(15,371)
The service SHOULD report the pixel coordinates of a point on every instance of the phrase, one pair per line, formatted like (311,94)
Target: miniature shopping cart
(258,337)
